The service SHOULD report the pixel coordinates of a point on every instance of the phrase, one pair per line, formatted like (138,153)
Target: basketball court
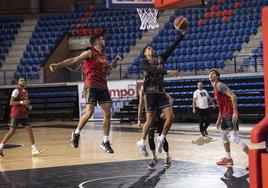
(193,164)
(193,157)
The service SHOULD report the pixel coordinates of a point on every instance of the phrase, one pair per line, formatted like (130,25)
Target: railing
(122,71)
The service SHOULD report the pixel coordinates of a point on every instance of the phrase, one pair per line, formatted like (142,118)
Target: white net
(148,18)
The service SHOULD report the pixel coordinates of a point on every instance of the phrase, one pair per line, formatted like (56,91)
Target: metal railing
(123,71)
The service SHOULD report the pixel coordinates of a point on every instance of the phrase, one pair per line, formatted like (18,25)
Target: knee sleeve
(165,145)
(224,136)
(151,139)
(236,139)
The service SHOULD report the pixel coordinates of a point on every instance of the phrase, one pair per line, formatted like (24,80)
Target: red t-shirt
(95,70)
(19,111)
(223,100)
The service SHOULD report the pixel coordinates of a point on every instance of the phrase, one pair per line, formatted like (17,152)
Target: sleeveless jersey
(95,70)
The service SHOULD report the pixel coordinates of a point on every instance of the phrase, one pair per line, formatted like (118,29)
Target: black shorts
(227,124)
(155,100)
(16,122)
(158,125)
(97,95)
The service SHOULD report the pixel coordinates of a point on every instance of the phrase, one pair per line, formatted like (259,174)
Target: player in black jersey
(154,94)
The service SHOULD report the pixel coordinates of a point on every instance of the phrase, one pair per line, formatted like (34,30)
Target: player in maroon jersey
(95,68)
(228,116)
(19,114)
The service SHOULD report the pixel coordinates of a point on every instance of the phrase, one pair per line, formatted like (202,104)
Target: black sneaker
(206,132)
(107,147)
(167,162)
(152,163)
(1,153)
(75,140)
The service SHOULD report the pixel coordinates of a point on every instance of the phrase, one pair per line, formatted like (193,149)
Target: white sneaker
(142,149)
(160,143)
(36,152)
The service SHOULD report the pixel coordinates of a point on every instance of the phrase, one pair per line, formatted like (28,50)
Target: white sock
(228,154)
(154,155)
(2,146)
(77,131)
(142,141)
(34,147)
(167,155)
(162,137)
(105,139)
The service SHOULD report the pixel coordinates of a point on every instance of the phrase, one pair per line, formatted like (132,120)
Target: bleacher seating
(48,32)
(121,25)
(9,26)
(215,33)
(256,58)
(47,103)
(249,91)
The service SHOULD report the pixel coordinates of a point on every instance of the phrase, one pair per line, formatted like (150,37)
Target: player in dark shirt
(154,94)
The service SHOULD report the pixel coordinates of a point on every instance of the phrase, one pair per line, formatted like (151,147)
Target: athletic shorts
(155,100)
(22,121)
(97,95)
(227,124)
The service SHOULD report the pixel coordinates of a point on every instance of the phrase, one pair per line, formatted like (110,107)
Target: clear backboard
(124,4)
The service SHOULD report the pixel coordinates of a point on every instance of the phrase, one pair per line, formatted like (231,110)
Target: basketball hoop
(148,18)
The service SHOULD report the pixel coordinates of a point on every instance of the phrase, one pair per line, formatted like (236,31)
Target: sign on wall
(121,93)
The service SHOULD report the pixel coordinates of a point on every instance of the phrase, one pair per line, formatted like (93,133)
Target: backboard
(128,4)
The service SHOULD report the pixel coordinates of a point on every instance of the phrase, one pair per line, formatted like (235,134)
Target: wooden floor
(185,146)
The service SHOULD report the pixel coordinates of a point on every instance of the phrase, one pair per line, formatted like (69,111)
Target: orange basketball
(181,23)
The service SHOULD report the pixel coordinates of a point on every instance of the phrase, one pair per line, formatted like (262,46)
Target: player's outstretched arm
(171,48)
(71,61)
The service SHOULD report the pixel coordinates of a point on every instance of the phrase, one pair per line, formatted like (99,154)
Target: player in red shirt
(95,68)
(228,116)
(19,114)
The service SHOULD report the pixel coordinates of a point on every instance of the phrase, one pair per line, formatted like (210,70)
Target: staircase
(246,51)
(17,49)
(141,43)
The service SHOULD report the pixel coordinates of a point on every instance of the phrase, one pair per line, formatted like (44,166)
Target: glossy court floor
(193,159)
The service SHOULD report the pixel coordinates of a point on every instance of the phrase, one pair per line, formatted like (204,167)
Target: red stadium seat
(237,5)
(207,15)
(219,14)
(213,14)
(201,22)
(225,12)
(225,19)
(231,12)
(214,8)
(87,14)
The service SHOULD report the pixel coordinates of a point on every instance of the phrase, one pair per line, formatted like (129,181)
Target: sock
(1,146)
(77,131)
(228,154)
(105,139)
(142,141)
(162,137)
(154,155)
(167,155)
(34,147)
